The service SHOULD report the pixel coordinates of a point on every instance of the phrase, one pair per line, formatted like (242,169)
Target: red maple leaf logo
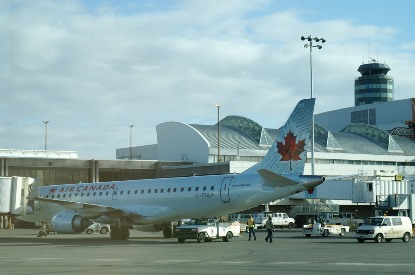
(52,190)
(290,150)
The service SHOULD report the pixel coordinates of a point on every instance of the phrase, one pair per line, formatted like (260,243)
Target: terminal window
(364,116)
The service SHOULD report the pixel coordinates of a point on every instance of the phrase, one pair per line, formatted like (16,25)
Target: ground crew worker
(269,226)
(251,227)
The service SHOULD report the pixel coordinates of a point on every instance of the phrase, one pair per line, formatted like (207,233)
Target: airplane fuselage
(169,199)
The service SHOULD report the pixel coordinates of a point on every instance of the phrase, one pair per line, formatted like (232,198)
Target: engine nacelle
(69,223)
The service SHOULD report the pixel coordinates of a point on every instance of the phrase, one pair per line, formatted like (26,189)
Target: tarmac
(22,252)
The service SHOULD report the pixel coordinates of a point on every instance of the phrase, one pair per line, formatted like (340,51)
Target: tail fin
(287,154)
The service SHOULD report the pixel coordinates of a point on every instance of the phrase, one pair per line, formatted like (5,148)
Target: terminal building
(373,141)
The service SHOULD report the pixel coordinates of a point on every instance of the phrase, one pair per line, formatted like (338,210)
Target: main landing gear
(119,233)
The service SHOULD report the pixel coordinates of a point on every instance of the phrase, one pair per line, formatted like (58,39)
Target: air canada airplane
(71,208)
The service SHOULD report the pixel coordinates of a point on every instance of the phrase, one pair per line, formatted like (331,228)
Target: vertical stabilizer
(288,152)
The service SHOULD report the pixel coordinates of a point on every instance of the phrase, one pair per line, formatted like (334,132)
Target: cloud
(94,68)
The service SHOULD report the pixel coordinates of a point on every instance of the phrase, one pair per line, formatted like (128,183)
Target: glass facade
(364,116)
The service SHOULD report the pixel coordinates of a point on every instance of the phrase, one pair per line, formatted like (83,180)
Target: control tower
(374,85)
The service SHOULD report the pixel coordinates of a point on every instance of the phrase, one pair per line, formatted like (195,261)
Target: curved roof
(243,133)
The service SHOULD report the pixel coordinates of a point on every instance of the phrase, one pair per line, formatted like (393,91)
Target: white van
(386,228)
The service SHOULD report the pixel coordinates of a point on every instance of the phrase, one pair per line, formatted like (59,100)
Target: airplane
(71,208)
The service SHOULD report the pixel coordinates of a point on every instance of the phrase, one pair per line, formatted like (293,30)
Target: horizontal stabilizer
(274,180)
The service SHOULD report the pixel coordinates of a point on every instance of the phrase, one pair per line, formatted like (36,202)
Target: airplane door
(114,194)
(224,189)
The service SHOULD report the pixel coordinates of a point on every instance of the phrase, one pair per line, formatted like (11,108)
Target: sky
(93,68)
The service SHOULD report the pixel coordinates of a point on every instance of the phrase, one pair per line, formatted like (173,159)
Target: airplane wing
(89,210)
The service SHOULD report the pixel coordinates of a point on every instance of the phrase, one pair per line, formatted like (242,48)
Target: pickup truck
(207,229)
(278,220)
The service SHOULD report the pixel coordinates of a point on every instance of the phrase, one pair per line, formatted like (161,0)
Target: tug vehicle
(325,230)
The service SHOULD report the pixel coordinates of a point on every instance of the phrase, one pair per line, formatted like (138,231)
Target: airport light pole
(131,135)
(311,46)
(46,133)
(218,106)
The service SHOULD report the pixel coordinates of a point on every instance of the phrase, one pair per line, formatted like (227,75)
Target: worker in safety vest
(251,227)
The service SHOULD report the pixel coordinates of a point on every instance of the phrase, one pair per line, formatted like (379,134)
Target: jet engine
(69,223)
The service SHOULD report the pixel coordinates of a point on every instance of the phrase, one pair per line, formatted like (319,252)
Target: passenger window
(149,191)
(161,190)
(182,189)
(197,189)
(168,190)
(174,189)
(204,188)
(396,221)
(142,191)
(189,189)
(211,188)
(386,222)
(155,190)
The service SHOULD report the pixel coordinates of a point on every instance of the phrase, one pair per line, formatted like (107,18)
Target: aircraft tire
(125,233)
(167,232)
(115,233)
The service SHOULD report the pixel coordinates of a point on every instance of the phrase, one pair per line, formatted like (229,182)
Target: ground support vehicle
(386,228)
(242,218)
(325,230)
(344,218)
(207,230)
(278,220)
(98,227)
